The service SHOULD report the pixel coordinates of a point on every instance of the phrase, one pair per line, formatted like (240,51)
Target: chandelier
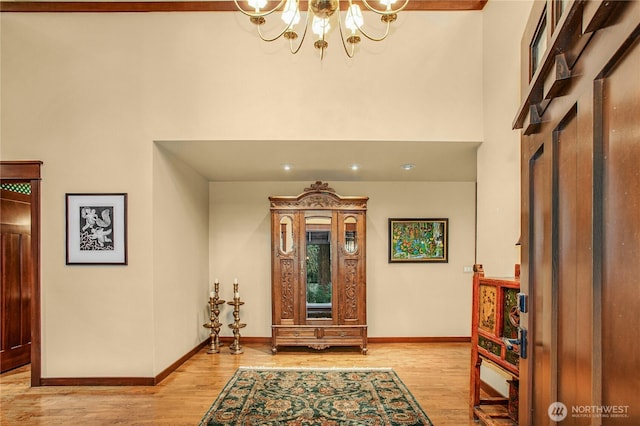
(319,16)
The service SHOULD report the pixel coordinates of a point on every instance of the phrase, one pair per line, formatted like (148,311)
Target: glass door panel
(319,287)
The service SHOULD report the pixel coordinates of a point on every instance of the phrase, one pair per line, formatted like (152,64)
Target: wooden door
(16,277)
(581,215)
(351,268)
(30,171)
(285,266)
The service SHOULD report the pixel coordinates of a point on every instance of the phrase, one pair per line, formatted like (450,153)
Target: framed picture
(96,229)
(418,240)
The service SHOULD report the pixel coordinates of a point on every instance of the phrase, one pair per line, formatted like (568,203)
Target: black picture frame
(96,228)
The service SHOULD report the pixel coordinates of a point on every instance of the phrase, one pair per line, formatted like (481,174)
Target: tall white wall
(89,93)
(180,258)
(415,300)
(499,155)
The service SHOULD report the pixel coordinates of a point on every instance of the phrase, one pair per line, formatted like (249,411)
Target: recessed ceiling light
(355,167)
(407,166)
(287,167)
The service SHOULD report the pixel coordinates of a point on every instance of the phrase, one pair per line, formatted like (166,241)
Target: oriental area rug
(327,397)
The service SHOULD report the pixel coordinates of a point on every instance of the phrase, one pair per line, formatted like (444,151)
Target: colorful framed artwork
(96,229)
(418,240)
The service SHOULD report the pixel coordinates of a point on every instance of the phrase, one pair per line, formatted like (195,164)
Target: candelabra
(214,324)
(237,325)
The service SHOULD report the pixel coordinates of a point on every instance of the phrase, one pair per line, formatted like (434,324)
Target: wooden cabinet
(494,338)
(318,269)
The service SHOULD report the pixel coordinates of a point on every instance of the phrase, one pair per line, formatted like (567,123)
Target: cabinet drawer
(343,332)
(295,332)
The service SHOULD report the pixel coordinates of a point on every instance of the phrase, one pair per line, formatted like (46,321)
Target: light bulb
(291,14)
(354,19)
(320,26)
(257,4)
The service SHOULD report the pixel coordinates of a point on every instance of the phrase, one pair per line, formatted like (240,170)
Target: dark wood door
(30,172)
(581,215)
(16,277)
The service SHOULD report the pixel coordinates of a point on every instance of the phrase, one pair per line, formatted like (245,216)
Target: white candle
(236,295)
(216,281)
(235,281)
(211,294)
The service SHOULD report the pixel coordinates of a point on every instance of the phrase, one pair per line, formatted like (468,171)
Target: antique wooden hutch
(318,271)
(495,339)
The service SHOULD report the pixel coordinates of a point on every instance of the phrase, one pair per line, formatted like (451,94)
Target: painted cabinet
(495,338)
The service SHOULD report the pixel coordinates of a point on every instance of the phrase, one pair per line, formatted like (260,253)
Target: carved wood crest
(318,196)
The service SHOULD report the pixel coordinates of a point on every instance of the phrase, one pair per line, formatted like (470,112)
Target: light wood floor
(436,373)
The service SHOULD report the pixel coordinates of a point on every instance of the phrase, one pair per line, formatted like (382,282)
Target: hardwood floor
(436,373)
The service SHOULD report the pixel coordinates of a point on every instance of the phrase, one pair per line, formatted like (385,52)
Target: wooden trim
(27,170)
(36,295)
(173,367)
(98,381)
(569,38)
(559,42)
(423,339)
(383,340)
(196,6)
(243,340)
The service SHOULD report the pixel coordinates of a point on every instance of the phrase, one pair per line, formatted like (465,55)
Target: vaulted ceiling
(227,160)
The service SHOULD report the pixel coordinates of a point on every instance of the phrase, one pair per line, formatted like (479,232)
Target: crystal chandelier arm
(259,14)
(383,12)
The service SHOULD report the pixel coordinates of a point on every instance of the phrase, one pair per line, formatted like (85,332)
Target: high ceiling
(310,160)
(328,160)
(195,6)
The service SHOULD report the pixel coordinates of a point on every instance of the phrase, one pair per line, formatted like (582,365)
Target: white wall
(89,93)
(414,300)
(180,258)
(499,155)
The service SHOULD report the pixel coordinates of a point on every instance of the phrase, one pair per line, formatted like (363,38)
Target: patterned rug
(328,397)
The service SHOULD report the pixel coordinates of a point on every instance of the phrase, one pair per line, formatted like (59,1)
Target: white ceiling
(255,161)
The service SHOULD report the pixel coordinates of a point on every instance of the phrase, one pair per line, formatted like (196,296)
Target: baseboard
(425,339)
(97,381)
(243,340)
(170,369)
(122,381)
(152,381)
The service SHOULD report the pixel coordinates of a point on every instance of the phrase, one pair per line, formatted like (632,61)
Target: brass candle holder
(214,324)
(237,325)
